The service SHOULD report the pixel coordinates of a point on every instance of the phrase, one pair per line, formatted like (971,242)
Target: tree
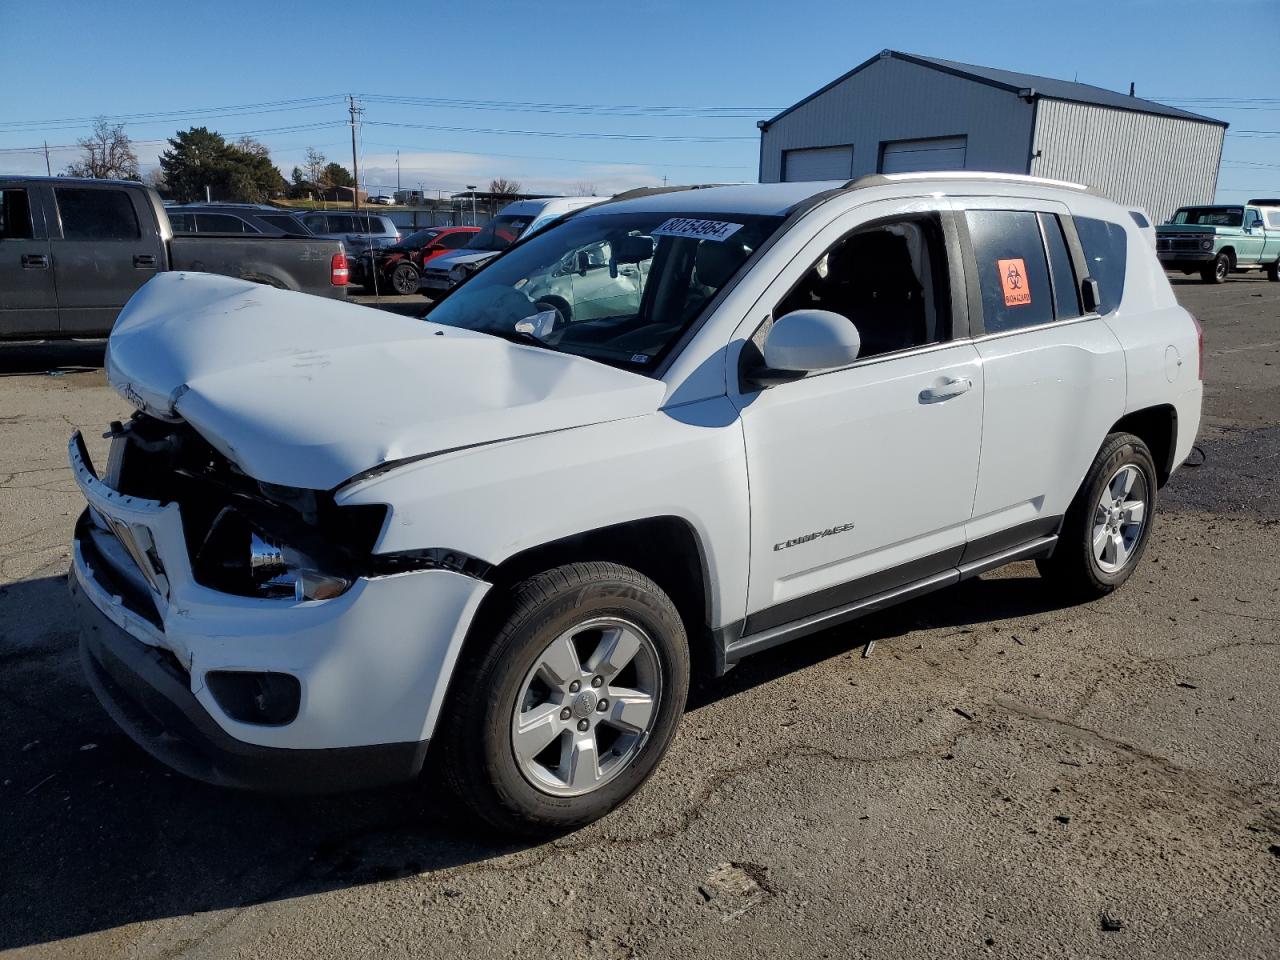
(154,178)
(504,189)
(584,189)
(336,175)
(313,165)
(108,154)
(200,158)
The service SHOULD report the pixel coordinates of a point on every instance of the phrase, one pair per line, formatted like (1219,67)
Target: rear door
(1054,373)
(105,246)
(28,297)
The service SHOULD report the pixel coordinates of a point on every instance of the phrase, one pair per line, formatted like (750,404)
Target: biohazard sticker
(1013,279)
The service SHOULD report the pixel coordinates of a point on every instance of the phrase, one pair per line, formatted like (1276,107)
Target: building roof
(1023,84)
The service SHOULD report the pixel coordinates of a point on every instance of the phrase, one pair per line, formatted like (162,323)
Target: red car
(397,267)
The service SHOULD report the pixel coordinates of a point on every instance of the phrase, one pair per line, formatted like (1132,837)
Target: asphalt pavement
(1004,776)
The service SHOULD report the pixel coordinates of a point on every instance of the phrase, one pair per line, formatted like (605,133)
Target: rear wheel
(404,279)
(1217,271)
(1109,522)
(568,709)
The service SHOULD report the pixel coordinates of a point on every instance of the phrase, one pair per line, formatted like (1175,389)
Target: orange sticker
(1013,278)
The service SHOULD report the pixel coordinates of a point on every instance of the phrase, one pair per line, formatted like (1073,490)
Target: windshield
(501,233)
(620,288)
(419,239)
(1210,216)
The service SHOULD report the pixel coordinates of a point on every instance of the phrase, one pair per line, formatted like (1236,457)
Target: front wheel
(563,713)
(1273,272)
(404,279)
(1109,522)
(1217,271)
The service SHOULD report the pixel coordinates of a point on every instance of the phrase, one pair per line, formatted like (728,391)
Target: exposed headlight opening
(240,557)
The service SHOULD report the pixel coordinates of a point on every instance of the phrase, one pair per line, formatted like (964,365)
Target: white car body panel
(492,448)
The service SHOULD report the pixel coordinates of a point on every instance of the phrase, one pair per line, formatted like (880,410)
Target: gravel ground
(1003,777)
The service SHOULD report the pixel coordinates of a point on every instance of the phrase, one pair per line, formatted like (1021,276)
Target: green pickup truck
(1217,240)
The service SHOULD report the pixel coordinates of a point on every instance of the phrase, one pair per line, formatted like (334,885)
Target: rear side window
(1066,292)
(1012,271)
(15,215)
(1273,219)
(221,223)
(1105,253)
(89,214)
(1139,219)
(182,222)
(286,223)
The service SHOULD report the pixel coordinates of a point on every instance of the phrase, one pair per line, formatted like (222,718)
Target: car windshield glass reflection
(619,288)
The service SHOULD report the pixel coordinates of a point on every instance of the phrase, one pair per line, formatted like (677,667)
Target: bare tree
(584,189)
(502,188)
(108,154)
(154,178)
(255,148)
(313,165)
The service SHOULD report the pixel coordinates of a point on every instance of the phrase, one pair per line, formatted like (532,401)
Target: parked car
(235,218)
(73,251)
(1218,240)
(381,201)
(512,222)
(397,267)
(512,535)
(359,232)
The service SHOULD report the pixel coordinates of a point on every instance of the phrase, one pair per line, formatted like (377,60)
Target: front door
(1250,245)
(102,255)
(862,478)
(28,298)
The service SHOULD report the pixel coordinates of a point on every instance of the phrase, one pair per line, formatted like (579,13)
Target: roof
(766,199)
(1022,84)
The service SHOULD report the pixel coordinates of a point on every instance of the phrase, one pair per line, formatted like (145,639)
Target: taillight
(1199,345)
(338,270)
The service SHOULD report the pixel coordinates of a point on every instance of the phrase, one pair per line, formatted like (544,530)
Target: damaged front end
(244,537)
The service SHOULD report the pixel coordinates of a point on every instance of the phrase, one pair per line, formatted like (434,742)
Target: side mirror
(806,341)
(1091,294)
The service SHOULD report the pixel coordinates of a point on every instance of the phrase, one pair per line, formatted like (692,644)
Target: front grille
(1181,244)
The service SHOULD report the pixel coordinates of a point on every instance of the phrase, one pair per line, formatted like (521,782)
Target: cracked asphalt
(1004,776)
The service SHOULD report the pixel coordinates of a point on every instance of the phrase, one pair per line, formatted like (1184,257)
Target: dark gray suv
(235,218)
(359,232)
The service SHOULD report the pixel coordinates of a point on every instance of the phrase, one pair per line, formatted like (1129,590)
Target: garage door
(817,163)
(937,153)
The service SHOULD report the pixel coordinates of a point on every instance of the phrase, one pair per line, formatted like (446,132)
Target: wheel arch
(1157,427)
(666,549)
(560,303)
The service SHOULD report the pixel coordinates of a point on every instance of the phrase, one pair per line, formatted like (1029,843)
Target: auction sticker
(698,229)
(1013,278)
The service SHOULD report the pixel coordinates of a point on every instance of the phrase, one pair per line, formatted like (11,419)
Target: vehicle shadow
(54,357)
(97,835)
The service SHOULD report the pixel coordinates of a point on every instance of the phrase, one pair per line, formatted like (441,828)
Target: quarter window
(1066,292)
(1273,219)
(1105,250)
(15,215)
(92,214)
(890,280)
(1013,274)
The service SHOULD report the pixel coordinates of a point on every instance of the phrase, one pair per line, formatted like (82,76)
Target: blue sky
(185,59)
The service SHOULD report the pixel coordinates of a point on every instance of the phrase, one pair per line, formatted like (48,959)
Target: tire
(505,700)
(404,279)
(1273,272)
(1218,270)
(1084,565)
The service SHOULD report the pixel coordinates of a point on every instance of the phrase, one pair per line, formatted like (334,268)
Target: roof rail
(884,179)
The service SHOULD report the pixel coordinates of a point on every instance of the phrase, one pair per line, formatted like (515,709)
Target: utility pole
(397,171)
(355,167)
(47,168)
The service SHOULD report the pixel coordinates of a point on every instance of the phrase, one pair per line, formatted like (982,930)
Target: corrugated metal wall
(1159,163)
(894,100)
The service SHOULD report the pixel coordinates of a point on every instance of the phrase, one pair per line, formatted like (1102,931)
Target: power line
(270,106)
(585,109)
(560,135)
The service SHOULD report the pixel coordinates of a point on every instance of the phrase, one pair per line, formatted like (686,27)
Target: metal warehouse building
(898,112)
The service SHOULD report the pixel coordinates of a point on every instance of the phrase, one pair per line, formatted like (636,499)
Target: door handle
(142,260)
(35,261)
(949,388)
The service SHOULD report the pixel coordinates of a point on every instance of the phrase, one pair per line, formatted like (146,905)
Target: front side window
(1210,216)
(620,288)
(15,215)
(1105,254)
(456,240)
(1013,274)
(501,232)
(889,280)
(91,214)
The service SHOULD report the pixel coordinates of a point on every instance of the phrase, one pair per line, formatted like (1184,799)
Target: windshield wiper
(519,336)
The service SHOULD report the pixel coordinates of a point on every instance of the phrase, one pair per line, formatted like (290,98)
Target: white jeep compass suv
(328,538)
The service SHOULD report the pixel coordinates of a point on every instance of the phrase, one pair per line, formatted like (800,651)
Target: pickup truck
(72,253)
(1218,240)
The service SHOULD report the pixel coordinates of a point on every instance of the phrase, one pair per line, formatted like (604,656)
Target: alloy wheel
(1120,518)
(586,707)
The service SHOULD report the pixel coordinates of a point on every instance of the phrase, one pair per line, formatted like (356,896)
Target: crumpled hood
(307,392)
